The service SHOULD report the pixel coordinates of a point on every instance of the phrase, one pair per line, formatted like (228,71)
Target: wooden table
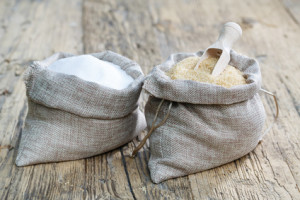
(147,32)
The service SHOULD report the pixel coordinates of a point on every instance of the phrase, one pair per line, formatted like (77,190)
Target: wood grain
(148,32)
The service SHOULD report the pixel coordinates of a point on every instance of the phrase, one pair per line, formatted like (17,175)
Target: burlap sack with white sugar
(70,118)
(208,125)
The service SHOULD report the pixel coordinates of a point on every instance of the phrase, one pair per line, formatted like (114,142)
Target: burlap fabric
(208,125)
(69,118)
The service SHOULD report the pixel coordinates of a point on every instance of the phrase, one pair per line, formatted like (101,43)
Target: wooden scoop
(230,33)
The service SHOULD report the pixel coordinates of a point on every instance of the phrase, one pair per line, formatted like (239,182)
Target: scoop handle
(229,34)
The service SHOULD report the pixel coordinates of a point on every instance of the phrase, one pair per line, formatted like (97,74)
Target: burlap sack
(69,118)
(208,125)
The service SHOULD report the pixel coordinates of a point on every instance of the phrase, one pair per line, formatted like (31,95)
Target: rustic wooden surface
(148,31)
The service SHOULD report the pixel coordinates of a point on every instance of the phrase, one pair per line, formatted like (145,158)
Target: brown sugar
(184,70)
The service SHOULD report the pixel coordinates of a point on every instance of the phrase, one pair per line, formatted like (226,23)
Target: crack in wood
(126,172)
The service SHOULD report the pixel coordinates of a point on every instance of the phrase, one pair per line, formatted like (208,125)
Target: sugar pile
(92,69)
(184,70)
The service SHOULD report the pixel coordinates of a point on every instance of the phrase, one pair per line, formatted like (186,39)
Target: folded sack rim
(41,82)
(160,85)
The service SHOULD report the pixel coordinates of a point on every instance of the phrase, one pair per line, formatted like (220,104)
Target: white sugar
(92,69)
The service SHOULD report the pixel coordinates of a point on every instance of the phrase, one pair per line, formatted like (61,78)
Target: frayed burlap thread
(69,118)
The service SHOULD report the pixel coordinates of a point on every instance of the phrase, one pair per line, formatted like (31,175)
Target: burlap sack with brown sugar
(70,118)
(208,125)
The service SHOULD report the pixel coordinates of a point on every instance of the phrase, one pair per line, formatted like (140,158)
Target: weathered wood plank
(293,8)
(275,154)
(32,30)
(148,32)
(169,27)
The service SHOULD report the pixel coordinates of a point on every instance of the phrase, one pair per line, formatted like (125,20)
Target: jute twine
(154,127)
